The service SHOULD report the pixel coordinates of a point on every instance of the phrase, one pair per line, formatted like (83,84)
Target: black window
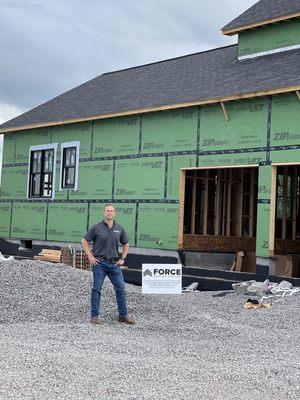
(68,167)
(41,173)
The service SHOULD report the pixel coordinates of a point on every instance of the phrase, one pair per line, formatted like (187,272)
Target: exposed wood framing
(294,211)
(261,93)
(224,111)
(221,243)
(228,221)
(298,94)
(205,205)
(221,203)
(217,205)
(251,215)
(273,211)
(233,31)
(240,206)
(181,208)
(283,234)
(194,204)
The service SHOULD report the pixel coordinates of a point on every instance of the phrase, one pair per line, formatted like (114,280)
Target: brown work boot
(95,320)
(126,320)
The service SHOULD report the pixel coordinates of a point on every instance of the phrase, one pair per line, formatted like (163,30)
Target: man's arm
(124,254)
(93,260)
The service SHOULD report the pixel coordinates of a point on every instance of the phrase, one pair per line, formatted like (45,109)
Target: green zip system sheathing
(126,216)
(125,130)
(263,211)
(67,222)
(27,139)
(72,133)
(28,220)
(270,37)
(5,212)
(134,163)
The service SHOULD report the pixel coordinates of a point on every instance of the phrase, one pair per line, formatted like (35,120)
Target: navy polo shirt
(106,240)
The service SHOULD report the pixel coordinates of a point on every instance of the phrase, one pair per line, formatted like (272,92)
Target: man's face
(109,213)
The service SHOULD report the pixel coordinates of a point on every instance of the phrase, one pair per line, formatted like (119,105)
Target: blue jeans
(115,275)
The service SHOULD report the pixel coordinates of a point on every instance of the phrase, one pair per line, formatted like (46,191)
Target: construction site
(199,155)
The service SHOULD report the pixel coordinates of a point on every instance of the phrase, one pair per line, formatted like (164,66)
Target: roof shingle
(262,11)
(199,77)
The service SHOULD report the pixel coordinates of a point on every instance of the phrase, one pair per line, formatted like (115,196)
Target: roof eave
(236,30)
(242,96)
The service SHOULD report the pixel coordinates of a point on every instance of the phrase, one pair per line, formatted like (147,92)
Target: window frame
(64,146)
(41,148)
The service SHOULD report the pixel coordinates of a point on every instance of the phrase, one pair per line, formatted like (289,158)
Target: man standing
(105,260)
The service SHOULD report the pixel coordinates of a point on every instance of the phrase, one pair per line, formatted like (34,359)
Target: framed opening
(220,209)
(287,209)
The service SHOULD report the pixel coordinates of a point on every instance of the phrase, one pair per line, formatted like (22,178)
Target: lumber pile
(49,255)
(67,255)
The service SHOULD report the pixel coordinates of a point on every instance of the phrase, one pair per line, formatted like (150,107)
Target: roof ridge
(169,59)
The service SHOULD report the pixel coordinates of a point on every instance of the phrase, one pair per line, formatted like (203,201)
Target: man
(105,260)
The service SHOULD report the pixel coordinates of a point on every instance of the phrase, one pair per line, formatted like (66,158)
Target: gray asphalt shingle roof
(264,10)
(199,77)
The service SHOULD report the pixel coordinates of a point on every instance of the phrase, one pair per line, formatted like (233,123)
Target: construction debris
(266,291)
(251,305)
(75,258)
(191,288)
(2,258)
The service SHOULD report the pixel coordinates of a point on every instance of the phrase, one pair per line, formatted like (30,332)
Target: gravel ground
(190,346)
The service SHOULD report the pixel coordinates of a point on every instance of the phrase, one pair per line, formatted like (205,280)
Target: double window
(41,179)
(41,171)
(69,165)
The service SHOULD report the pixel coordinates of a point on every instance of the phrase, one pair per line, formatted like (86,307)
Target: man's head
(109,212)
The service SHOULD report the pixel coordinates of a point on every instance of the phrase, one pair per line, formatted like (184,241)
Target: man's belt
(109,260)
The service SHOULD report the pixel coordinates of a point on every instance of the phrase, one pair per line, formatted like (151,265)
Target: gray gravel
(189,346)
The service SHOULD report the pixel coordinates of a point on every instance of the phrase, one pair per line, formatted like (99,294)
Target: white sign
(161,278)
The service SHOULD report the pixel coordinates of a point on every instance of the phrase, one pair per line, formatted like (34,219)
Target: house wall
(269,37)
(134,162)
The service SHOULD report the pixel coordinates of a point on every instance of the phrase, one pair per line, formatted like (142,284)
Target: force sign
(161,278)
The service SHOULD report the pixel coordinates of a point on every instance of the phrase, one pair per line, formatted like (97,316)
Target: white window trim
(267,52)
(62,147)
(42,147)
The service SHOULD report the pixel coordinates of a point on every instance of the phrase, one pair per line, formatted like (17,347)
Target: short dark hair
(109,205)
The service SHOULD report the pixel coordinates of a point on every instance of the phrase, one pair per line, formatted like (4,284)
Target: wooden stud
(228,211)
(205,213)
(251,211)
(273,211)
(217,205)
(294,199)
(181,208)
(240,206)
(284,203)
(224,111)
(249,95)
(194,191)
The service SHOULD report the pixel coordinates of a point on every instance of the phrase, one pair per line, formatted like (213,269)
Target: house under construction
(199,153)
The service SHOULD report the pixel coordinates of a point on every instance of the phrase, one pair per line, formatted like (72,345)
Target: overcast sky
(50,46)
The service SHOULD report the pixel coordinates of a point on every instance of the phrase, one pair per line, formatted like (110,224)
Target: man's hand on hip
(93,260)
(121,262)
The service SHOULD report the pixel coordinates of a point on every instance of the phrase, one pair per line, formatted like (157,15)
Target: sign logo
(161,279)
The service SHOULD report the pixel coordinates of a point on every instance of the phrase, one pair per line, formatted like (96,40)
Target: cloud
(48,47)
(6,113)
